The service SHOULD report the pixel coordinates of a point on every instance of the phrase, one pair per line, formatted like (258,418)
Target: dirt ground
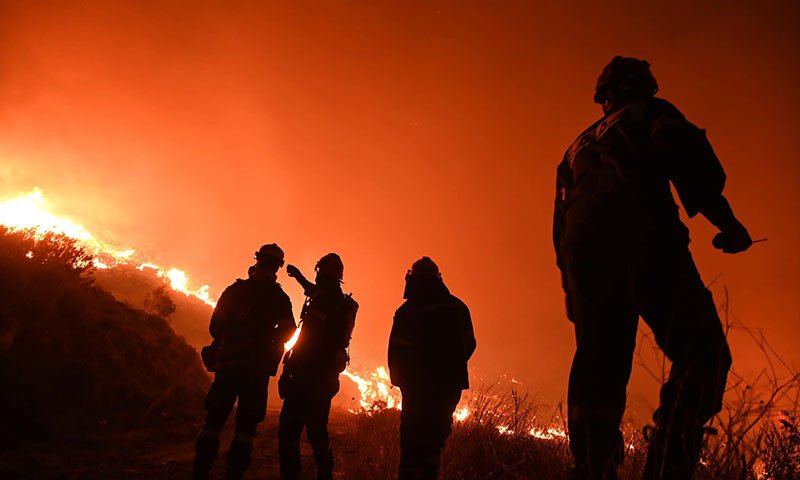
(153,453)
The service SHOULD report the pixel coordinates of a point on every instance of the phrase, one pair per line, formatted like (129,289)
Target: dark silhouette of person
(431,341)
(311,369)
(623,253)
(251,322)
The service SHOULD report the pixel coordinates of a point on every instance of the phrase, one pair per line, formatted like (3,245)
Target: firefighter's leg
(684,320)
(205,452)
(425,424)
(250,412)
(219,403)
(412,433)
(290,427)
(605,321)
(317,432)
(441,424)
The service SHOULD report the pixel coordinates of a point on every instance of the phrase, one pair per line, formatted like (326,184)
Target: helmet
(331,265)
(424,266)
(269,254)
(632,72)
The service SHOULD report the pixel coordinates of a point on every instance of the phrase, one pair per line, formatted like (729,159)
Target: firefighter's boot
(597,450)
(239,458)
(205,452)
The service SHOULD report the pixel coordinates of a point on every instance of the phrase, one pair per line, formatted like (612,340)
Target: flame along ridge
(29,211)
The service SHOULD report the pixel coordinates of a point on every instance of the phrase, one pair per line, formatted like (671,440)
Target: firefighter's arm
(689,161)
(699,179)
(219,318)
(350,322)
(469,335)
(285,325)
(733,237)
(558,216)
(400,345)
(309,288)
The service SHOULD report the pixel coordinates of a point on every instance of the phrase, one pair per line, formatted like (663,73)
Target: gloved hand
(293,271)
(734,239)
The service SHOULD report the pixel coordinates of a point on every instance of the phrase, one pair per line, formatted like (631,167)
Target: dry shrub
(494,442)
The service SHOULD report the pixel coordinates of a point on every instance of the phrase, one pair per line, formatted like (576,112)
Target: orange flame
(549,433)
(376,389)
(29,211)
(288,345)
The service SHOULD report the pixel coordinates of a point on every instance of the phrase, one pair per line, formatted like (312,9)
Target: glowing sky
(387,133)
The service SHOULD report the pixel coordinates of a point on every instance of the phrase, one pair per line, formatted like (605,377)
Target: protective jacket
(613,185)
(251,322)
(432,339)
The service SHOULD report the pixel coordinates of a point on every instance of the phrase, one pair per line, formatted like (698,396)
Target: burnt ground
(163,452)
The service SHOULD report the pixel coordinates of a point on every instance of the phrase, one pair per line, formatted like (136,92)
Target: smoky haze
(197,132)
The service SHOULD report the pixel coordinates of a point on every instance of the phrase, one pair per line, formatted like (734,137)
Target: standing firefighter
(431,341)
(250,324)
(623,252)
(310,377)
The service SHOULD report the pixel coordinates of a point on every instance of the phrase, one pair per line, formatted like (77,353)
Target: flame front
(376,389)
(29,211)
(377,393)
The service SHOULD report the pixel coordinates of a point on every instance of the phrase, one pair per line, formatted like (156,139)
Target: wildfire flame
(549,433)
(377,393)
(376,390)
(29,211)
(461,413)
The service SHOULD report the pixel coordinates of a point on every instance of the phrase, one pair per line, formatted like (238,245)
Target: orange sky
(387,133)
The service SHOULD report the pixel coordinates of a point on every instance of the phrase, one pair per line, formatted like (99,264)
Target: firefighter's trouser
(250,388)
(425,423)
(306,407)
(606,294)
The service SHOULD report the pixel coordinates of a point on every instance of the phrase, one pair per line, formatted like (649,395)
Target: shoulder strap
(635,112)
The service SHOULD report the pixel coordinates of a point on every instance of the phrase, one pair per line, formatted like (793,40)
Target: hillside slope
(71,355)
(130,285)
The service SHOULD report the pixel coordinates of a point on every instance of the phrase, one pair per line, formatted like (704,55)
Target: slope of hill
(132,286)
(71,355)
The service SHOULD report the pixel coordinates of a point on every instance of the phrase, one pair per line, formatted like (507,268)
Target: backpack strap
(599,129)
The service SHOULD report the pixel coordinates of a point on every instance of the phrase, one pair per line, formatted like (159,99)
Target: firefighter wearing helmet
(250,324)
(431,341)
(623,253)
(311,369)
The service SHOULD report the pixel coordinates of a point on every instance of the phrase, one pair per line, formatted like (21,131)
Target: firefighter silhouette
(311,369)
(431,341)
(623,253)
(250,324)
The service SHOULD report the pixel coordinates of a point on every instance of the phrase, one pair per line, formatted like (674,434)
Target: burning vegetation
(73,352)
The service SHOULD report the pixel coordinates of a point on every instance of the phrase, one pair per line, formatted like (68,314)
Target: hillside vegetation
(189,318)
(72,355)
